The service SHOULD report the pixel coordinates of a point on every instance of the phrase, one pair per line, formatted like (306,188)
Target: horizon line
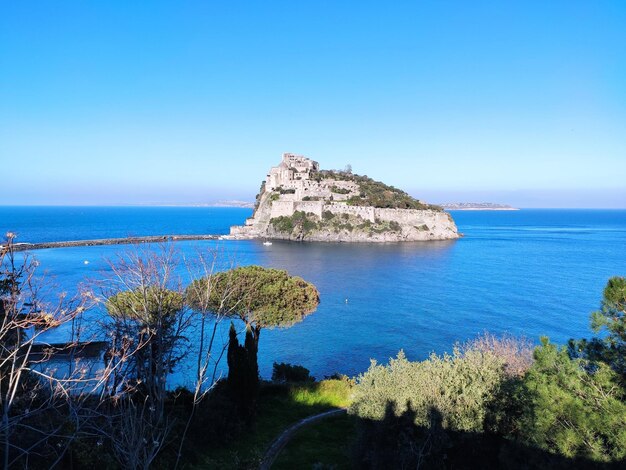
(235,206)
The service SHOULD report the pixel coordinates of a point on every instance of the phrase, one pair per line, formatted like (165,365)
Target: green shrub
(304,221)
(299,222)
(338,190)
(284,372)
(373,193)
(458,385)
(412,412)
(282,224)
(377,194)
(327,215)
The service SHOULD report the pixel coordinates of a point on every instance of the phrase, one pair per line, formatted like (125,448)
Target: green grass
(326,444)
(280,406)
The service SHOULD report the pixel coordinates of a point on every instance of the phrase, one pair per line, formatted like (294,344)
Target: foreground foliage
(260,298)
(573,407)
(490,404)
(457,385)
(280,406)
(610,320)
(323,445)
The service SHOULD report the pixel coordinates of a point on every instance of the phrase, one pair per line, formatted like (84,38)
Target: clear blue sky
(520,102)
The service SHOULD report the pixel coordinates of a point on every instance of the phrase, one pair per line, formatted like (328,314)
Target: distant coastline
(245,204)
(477,206)
(233,203)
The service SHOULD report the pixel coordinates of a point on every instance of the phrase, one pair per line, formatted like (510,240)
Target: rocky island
(298,201)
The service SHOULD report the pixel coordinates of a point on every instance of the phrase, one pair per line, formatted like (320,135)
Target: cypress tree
(243,372)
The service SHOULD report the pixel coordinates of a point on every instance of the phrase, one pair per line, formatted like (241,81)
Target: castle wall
(282,208)
(366,213)
(316,207)
(402,216)
(315,190)
(411,216)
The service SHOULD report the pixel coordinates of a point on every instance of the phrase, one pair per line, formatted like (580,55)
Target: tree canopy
(145,306)
(612,313)
(573,407)
(611,320)
(262,297)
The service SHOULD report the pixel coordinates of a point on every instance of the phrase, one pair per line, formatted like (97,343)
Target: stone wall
(414,218)
(315,207)
(241,230)
(366,213)
(282,208)
(402,216)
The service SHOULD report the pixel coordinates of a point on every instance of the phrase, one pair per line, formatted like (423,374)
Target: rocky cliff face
(298,201)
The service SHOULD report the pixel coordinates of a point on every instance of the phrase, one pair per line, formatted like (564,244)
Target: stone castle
(296,185)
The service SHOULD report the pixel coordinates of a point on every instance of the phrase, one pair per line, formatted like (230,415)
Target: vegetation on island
(301,224)
(257,198)
(373,193)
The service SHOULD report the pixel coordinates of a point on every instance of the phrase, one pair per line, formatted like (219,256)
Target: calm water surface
(530,272)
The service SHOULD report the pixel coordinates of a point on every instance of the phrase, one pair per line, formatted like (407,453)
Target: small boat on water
(267,243)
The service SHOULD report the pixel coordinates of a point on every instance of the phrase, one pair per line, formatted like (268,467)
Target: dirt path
(281,441)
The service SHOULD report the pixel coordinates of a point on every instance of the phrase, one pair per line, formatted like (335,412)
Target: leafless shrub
(516,352)
(149,326)
(28,388)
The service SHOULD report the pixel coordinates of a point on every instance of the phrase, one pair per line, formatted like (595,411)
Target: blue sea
(527,272)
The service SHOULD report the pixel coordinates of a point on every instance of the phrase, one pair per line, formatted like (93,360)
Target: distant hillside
(477,206)
(245,204)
